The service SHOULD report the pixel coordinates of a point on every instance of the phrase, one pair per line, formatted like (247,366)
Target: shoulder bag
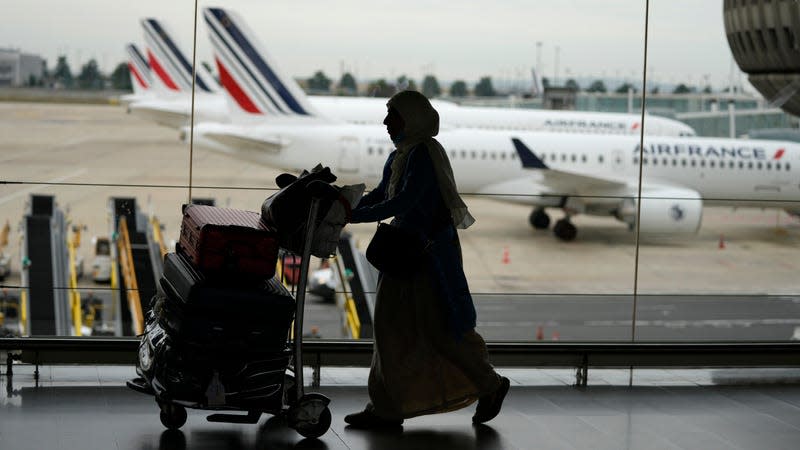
(395,251)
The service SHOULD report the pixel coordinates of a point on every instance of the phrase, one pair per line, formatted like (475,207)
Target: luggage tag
(215,393)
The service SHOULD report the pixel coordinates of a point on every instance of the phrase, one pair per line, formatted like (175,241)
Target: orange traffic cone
(506,258)
(539,333)
(721,241)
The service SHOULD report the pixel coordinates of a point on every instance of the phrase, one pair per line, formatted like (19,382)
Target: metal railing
(352,353)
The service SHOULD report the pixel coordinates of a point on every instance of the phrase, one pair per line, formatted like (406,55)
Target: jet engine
(664,210)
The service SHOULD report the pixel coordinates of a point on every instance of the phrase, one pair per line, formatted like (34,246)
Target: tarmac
(85,154)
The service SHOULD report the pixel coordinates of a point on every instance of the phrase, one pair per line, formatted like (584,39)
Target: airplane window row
(553,157)
(465,154)
(713,164)
(456,154)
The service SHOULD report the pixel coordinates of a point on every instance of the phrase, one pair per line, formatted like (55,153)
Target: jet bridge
(137,263)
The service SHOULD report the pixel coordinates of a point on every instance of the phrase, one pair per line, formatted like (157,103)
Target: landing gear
(565,230)
(539,219)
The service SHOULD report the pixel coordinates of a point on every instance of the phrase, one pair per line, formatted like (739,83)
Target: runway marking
(43,184)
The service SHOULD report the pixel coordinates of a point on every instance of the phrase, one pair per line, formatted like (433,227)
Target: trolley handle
(318,190)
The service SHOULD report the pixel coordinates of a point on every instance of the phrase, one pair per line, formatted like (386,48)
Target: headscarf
(422,124)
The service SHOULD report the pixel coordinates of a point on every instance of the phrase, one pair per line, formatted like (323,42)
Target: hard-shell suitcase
(229,328)
(221,241)
(249,295)
(216,313)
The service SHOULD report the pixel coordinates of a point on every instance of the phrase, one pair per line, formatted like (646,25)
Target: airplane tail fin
(171,67)
(254,85)
(139,70)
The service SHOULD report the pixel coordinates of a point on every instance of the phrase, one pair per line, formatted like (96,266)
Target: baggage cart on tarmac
(182,374)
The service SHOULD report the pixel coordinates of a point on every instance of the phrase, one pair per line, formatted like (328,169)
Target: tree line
(599,86)
(320,83)
(90,77)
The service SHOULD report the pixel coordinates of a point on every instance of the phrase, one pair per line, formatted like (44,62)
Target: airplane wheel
(539,219)
(565,230)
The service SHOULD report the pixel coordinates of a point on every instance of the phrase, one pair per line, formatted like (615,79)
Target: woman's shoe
(369,420)
(489,405)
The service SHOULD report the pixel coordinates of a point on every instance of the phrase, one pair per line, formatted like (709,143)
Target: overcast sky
(379,38)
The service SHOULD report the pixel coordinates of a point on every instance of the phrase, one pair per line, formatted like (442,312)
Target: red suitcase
(228,241)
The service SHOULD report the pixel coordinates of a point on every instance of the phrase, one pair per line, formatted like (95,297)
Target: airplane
(173,73)
(577,173)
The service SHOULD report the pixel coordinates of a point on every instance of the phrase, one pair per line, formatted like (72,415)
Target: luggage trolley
(280,393)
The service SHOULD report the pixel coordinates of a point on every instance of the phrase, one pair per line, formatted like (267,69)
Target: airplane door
(348,155)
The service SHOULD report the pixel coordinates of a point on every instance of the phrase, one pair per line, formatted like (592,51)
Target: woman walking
(427,356)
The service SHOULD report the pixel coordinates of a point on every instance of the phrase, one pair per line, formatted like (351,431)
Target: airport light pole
(539,58)
(555,71)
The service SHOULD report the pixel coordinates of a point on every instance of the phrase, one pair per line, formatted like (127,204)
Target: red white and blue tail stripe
(139,69)
(248,74)
(169,64)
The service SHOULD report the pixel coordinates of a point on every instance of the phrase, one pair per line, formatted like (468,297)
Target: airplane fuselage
(371,111)
(723,171)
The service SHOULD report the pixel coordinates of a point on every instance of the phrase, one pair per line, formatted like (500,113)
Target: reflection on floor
(90,408)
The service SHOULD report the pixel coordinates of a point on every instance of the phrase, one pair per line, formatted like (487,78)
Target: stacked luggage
(217,331)
(217,334)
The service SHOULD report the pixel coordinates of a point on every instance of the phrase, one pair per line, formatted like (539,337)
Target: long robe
(427,356)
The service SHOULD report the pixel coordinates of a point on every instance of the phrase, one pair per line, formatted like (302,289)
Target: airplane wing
(563,182)
(162,116)
(248,143)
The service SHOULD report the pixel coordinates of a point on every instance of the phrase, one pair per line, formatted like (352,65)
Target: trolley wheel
(314,429)
(311,416)
(172,416)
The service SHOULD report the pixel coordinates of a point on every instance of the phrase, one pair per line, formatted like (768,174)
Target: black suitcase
(223,330)
(182,280)
(203,312)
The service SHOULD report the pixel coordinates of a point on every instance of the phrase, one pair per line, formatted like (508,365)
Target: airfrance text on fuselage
(583,124)
(711,151)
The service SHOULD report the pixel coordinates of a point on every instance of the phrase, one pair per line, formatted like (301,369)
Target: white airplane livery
(169,63)
(577,173)
(139,71)
(173,73)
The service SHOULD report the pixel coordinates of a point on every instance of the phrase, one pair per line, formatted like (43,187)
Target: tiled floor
(90,408)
